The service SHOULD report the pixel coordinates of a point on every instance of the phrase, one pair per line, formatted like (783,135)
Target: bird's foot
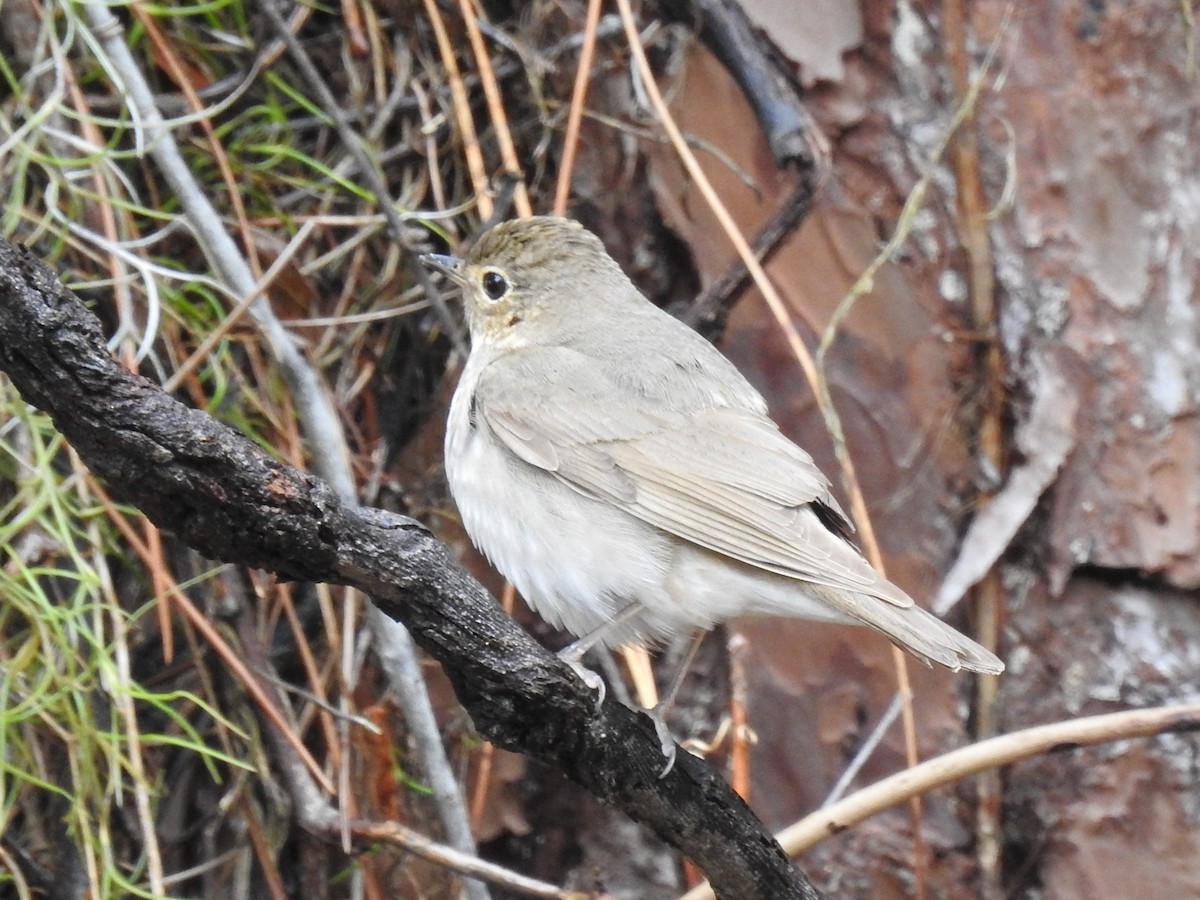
(666,741)
(586,675)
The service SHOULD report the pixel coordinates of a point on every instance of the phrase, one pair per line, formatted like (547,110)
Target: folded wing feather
(722,477)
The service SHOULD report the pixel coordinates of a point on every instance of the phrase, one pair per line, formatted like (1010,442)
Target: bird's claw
(587,676)
(593,680)
(665,741)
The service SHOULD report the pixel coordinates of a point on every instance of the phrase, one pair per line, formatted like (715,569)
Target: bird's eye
(494,284)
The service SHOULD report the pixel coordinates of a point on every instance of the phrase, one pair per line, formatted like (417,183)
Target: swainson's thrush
(625,477)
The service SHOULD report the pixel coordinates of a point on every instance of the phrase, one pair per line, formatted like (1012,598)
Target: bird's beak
(447,265)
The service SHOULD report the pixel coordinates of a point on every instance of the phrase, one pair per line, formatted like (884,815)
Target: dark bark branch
(709,312)
(729,34)
(792,134)
(229,500)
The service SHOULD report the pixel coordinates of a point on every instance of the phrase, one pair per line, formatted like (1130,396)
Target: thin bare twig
(583,77)
(981,757)
(491,91)
(368,169)
(395,833)
(990,441)
(462,112)
(708,312)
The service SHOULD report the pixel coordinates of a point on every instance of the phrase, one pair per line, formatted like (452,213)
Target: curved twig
(990,754)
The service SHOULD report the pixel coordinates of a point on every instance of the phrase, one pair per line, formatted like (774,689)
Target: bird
(627,479)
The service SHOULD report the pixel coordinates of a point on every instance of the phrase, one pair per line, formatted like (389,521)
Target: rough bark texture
(1100,267)
(229,500)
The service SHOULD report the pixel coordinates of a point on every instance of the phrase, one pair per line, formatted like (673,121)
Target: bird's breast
(576,560)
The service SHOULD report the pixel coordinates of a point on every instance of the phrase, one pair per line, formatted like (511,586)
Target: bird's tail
(914,629)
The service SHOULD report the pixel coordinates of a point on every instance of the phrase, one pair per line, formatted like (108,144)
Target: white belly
(576,561)
(579,561)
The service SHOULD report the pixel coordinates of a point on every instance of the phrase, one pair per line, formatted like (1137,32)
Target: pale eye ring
(494,284)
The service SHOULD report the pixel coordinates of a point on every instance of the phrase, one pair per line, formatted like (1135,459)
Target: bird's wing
(722,477)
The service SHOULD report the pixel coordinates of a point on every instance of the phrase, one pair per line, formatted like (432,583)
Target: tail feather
(914,629)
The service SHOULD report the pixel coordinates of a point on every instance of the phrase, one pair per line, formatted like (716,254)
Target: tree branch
(726,30)
(229,500)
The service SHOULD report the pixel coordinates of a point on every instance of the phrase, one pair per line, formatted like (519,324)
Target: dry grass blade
(395,833)
(230,656)
(491,91)
(462,113)
(122,694)
(583,76)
